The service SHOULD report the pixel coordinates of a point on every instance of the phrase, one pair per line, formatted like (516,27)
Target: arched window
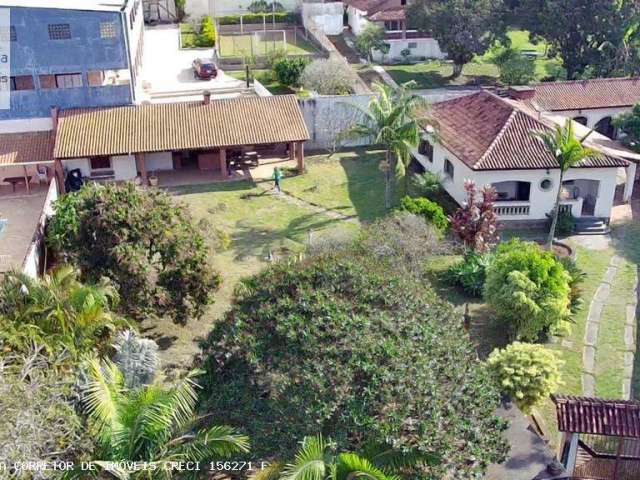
(581,120)
(448,168)
(606,128)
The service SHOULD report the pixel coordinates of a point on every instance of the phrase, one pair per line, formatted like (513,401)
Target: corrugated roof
(587,94)
(179,126)
(27,147)
(487,132)
(615,418)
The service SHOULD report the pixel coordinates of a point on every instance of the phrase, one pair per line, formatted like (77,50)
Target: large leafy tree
(580,31)
(629,123)
(568,151)
(390,120)
(340,344)
(143,241)
(463,28)
(149,423)
(58,312)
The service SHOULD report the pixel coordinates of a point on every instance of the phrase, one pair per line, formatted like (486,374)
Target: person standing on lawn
(277,178)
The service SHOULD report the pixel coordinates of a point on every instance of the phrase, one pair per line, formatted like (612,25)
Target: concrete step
(591,226)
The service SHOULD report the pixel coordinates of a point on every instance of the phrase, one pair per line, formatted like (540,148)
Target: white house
(487,139)
(391,15)
(593,103)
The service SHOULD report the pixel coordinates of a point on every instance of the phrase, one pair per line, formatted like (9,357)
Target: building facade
(71,55)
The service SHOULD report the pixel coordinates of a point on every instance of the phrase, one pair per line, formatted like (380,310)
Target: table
(17,180)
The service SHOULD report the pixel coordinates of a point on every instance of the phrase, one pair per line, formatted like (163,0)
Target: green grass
(249,45)
(347,182)
(437,73)
(266,78)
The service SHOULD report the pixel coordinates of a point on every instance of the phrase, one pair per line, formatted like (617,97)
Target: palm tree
(315,461)
(57,311)
(390,121)
(150,424)
(568,152)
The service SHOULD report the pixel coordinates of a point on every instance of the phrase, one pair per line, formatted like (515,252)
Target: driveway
(166,69)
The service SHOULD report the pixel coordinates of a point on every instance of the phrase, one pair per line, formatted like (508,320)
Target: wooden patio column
(292,150)
(222,156)
(59,174)
(26,180)
(142,168)
(300,156)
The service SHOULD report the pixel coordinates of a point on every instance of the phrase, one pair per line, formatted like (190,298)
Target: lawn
(267,79)
(252,45)
(437,73)
(188,37)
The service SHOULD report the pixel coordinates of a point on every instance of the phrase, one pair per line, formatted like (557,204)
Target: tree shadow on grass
(260,240)
(231,186)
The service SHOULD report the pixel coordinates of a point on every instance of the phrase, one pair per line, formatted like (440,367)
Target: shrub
(470,273)
(424,207)
(252,18)
(137,358)
(515,68)
(566,224)
(38,419)
(274,56)
(475,223)
(330,344)
(332,76)
(288,70)
(208,35)
(180,9)
(529,289)
(140,239)
(57,312)
(262,6)
(427,184)
(577,277)
(526,372)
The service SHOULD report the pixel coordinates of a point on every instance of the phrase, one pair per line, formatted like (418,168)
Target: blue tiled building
(72,53)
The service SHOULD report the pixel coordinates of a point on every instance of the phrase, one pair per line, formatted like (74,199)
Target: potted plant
(153,179)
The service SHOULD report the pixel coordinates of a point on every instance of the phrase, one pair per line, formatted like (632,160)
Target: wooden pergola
(601,437)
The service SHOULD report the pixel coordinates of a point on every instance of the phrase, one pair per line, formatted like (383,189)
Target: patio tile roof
(587,94)
(487,132)
(380,10)
(179,126)
(25,147)
(616,418)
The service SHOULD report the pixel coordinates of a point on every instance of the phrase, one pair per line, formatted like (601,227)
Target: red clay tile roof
(378,10)
(487,132)
(179,126)
(616,418)
(587,94)
(26,147)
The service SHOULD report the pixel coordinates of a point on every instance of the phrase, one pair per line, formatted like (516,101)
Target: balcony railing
(410,34)
(511,209)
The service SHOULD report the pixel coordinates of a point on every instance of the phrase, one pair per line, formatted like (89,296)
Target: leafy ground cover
(437,73)
(251,45)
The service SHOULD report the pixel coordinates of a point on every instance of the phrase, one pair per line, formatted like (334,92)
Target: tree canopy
(140,239)
(340,345)
(463,29)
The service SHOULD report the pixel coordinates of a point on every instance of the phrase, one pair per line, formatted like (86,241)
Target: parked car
(204,69)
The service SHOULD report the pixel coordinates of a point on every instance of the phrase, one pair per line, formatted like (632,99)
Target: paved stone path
(596,307)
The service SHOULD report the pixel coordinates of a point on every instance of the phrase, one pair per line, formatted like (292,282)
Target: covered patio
(26,164)
(601,437)
(212,140)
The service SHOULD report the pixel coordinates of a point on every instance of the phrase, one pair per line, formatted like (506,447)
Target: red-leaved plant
(475,224)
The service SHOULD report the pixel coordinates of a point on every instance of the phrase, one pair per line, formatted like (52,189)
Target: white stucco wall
(424,47)
(356,19)
(124,167)
(540,202)
(326,16)
(158,161)
(594,115)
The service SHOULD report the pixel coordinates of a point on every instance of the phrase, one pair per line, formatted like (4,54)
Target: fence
(35,259)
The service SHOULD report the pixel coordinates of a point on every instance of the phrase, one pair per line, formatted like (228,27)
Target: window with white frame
(69,80)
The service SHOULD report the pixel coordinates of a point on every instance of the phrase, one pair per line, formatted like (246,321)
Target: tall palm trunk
(387,181)
(556,211)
